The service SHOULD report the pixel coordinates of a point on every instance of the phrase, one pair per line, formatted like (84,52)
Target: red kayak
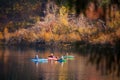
(52,58)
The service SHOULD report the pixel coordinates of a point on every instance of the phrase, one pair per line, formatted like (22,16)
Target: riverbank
(78,45)
(102,38)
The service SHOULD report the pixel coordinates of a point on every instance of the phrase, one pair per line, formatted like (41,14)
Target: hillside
(52,21)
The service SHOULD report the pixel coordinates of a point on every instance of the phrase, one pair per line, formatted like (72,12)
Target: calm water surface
(88,64)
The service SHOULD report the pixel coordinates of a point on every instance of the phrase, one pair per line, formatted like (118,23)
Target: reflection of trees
(13,65)
(1,63)
(106,60)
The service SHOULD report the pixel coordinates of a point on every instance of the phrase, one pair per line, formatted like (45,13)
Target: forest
(50,22)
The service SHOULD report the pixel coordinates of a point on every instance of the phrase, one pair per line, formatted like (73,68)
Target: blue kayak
(39,60)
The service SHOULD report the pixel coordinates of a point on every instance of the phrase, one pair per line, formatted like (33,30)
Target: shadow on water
(106,58)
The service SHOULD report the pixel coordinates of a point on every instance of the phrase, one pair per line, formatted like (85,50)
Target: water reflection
(90,63)
(106,59)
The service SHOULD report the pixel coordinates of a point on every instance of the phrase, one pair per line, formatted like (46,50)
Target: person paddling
(51,55)
(36,57)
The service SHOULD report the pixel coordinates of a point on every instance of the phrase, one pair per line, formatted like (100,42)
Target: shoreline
(76,44)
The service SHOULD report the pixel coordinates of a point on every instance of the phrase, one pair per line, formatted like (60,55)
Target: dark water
(90,63)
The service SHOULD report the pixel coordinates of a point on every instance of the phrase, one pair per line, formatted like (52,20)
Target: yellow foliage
(64,20)
(62,37)
(115,20)
(17,7)
(117,14)
(118,33)
(41,35)
(37,18)
(1,35)
(87,30)
(48,36)
(55,28)
(73,36)
(111,25)
(102,38)
(63,11)
(29,36)
(6,33)
(9,24)
(56,37)
(63,15)
(81,29)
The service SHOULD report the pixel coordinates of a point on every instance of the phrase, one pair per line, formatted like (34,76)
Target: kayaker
(66,54)
(51,55)
(36,57)
(62,57)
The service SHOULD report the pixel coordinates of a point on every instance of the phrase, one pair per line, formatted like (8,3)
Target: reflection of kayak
(68,56)
(39,60)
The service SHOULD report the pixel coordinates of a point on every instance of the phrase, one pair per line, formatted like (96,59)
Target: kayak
(39,60)
(50,58)
(68,57)
(61,60)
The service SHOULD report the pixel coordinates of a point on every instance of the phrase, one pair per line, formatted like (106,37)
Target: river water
(88,64)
